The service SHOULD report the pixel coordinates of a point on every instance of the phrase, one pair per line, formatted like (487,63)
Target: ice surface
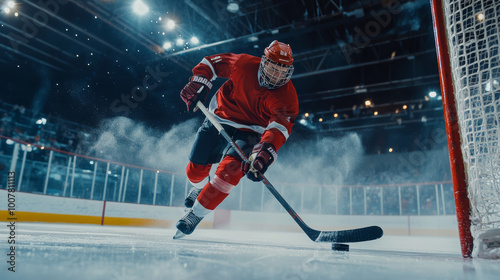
(65,251)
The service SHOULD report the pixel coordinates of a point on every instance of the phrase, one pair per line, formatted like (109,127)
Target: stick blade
(351,235)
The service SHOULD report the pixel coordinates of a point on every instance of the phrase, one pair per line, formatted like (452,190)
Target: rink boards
(42,208)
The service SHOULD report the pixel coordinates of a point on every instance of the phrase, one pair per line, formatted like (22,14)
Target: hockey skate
(191,197)
(187,224)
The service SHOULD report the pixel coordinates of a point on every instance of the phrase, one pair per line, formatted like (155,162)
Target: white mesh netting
(473,31)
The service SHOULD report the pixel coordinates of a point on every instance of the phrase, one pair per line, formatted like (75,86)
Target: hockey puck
(340,247)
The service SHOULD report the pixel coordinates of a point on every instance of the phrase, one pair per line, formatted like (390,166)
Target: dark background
(87,61)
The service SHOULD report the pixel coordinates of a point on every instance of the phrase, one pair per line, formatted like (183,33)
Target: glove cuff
(268,147)
(202,80)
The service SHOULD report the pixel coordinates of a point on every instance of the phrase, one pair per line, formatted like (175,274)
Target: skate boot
(191,197)
(187,224)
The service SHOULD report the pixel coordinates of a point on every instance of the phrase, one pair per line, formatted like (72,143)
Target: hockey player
(257,107)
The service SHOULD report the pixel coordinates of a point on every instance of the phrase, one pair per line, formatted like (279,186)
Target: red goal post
(467,35)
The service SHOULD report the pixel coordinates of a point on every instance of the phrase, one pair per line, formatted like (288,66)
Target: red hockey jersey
(242,103)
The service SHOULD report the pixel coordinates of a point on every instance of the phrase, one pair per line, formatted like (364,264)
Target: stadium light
(41,121)
(179,42)
(194,40)
(8,6)
(170,24)
(480,16)
(233,6)
(167,45)
(140,8)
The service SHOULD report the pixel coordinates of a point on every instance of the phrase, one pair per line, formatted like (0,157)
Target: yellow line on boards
(82,219)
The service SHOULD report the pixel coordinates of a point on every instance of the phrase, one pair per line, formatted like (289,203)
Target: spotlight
(432,94)
(233,6)
(306,115)
(170,24)
(194,40)
(302,121)
(140,8)
(11,4)
(41,121)
(179,42)
(480,17)
(368,103)
(167,45)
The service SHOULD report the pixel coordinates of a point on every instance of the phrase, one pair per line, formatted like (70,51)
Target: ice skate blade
(179,234)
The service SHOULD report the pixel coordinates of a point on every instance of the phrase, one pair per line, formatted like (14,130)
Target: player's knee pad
(221,185)
(229,170)
(196,172)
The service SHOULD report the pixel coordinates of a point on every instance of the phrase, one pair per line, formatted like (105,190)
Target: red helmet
(276,67)
(279,52)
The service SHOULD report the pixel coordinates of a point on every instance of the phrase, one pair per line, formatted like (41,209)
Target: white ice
(67,251)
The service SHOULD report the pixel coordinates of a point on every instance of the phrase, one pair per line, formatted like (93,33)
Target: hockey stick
(341,236)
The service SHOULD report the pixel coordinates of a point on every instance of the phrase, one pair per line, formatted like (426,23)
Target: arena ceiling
(85,60)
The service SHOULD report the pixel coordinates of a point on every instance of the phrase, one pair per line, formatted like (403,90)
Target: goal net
(470,33)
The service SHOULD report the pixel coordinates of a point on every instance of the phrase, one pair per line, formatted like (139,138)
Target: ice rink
(71,251)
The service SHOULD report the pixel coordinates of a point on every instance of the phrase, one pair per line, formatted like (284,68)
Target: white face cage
(273,75)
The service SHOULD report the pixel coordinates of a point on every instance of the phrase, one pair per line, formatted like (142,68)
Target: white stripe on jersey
(257,128)
(280,127)
(205,61)
(213,105)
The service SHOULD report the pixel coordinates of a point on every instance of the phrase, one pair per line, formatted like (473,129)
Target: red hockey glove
(197,88)
(263,154)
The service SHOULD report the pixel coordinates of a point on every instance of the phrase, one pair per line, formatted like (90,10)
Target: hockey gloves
(263,154)
(197,88)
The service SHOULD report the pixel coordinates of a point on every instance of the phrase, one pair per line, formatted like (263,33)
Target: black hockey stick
(341,236)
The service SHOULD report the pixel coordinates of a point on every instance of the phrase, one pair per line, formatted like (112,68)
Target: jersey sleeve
(213,66)
(282,120)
